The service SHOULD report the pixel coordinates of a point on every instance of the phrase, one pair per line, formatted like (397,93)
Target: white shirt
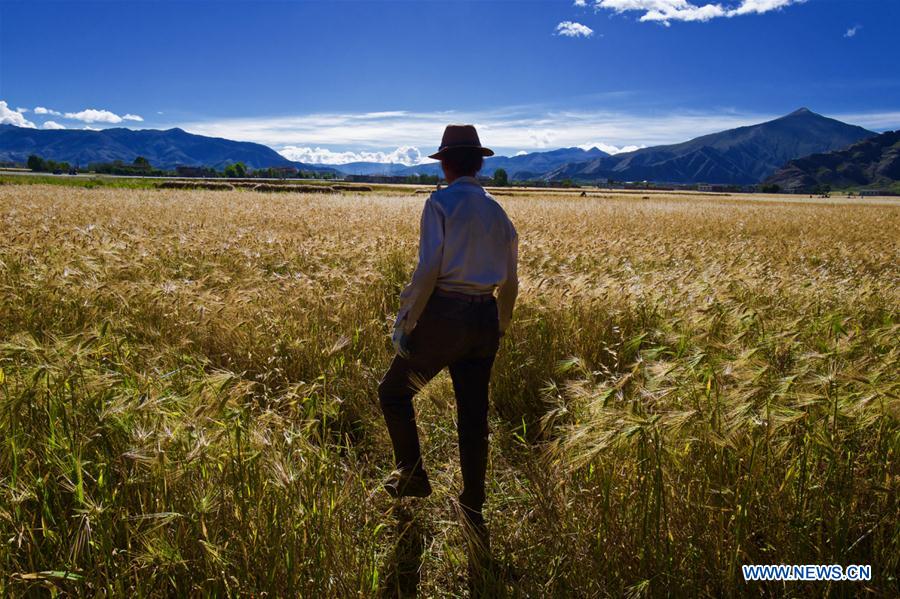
(467,244)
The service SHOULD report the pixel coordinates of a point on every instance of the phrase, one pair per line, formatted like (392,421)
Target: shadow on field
(403,568)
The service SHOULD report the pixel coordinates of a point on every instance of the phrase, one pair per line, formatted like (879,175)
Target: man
(449,317)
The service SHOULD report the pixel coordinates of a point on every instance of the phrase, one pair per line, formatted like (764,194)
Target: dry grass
(187,396)
(352,188)
(211,185)
(288,188)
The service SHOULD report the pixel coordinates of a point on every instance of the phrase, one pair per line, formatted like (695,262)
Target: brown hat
(461,136)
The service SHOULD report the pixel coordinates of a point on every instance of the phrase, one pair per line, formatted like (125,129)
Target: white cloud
(13,117)
(407,155)
(520,153)
(89,128)
(853,31)
(342,137)
(581,3)
(52,125)
(610,149)
(91,115)
(539,137)
(760,6)
(327,137)
(21,110)
(573,29)
(664,11)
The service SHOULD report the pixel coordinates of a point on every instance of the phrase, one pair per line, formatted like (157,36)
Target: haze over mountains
(745,155)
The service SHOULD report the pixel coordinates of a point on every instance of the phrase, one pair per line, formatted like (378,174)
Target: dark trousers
(464,336)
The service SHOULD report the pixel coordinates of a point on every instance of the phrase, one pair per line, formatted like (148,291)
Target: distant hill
(738,156)
(164,149)
(526,166)
(535,164)
(873,162)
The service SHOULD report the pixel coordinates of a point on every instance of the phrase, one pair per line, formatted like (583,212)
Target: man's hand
(401,342)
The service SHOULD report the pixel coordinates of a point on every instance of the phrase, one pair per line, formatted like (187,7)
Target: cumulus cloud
(92,115)
(9,116)
(21,110)
(609,148)
(853,31)
(759,7)
(581,3)
(665,11)
(52,125)
(407,155)
(573,29)
(310,138)
(377,135)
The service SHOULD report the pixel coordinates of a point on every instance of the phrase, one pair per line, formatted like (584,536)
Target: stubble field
(188,397)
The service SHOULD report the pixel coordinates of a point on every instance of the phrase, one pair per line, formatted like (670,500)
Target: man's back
(467,244)
(477,239)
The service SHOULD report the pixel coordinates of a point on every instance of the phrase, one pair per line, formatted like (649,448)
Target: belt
(466,297)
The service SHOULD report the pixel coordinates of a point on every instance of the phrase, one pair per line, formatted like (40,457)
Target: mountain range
(738,156)
(525,166)
(745,155)
(164,149)
(872,162)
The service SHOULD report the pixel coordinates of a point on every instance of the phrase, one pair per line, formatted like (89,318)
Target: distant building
(877,192)
(714,188)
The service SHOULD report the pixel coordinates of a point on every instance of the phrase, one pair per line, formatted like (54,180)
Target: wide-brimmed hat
(461,136)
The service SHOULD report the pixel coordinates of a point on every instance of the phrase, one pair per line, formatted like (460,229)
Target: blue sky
(338,80)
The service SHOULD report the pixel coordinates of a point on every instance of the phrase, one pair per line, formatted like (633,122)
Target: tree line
(141,167)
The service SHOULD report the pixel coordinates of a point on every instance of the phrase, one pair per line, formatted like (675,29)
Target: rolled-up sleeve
(509,289)
(431,251)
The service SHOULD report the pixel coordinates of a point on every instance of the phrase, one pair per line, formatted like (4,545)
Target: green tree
(141,162)
(36,163)
(236,170)
(822,189)
(501,179)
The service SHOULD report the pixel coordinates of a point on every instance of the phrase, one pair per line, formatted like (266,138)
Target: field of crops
(188,396)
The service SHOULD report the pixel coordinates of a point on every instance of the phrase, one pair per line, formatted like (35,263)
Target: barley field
(188,397)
